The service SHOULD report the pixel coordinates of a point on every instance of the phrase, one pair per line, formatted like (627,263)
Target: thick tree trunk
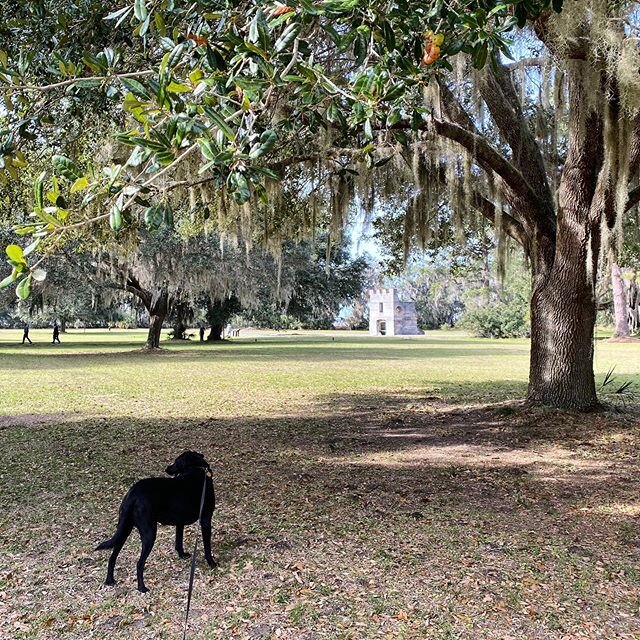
(562,235)
(63,325)
(561,366)
(155,328)
(218,314)
(619,302)
(215,333)
(563,304)
(179,330)
(157,312)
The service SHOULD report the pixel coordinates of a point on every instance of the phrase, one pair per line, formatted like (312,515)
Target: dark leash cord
(207,474)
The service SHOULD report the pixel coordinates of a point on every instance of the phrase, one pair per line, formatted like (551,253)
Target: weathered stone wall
(399,318)
(388,299)
(406,319)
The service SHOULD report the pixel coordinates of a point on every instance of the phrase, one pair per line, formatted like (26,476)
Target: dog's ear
(178,464)
(184,461)
(193,458)
(203,460)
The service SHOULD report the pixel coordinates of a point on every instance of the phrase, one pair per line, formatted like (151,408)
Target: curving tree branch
(488,156)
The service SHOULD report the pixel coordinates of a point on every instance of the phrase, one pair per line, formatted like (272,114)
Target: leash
(207,474)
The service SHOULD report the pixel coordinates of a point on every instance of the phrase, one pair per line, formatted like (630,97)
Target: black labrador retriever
(173,501)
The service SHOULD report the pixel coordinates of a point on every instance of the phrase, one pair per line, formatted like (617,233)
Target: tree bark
(155,328)
(619,302)
(562,326)
(178,331)
(218,314)
(216,332)
(563,302)
(158,307)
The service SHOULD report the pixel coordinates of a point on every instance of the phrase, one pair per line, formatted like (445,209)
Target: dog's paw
(184,554)
(143,589)
(212,562)
(109,582)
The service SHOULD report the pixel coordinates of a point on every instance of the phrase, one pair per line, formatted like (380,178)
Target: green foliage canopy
(217,92)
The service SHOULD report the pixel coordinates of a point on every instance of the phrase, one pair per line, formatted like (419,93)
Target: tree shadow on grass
(413,448)
(474,414)
(409,494)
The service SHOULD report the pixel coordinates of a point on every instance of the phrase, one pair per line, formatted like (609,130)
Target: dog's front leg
(205,525)
(179,542)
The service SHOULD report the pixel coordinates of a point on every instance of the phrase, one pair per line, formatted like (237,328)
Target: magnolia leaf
(220,122)
(38,190)
(154,217)
(80,184)
(23,290)
(115,218)
(195,76)
(39,275)
(15,253)
(176,87)
(87,83)
(66,167)
(8,281)
(120,13)
(140,10)
(32,247)
(137,88)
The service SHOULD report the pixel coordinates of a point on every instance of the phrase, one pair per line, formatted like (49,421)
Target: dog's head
(186,461)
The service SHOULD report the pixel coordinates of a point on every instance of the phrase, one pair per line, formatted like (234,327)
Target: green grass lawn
(94,372)
(368,488)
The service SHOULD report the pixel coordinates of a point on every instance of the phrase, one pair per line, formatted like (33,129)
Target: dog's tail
(122,532)
(107,544)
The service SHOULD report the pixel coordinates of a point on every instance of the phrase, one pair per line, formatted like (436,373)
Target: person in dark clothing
(25,334)
(56,333)
(201,334)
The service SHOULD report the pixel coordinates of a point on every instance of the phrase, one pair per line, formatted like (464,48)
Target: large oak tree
(223,98)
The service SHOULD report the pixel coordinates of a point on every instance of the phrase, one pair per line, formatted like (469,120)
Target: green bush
(502,319)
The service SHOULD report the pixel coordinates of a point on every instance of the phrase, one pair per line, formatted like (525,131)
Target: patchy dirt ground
(378,516)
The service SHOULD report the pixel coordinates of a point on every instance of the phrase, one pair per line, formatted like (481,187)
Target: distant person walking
(201,334)
(25,334)
(56,333)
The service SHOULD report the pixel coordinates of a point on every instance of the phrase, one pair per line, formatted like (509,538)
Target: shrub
(502,319)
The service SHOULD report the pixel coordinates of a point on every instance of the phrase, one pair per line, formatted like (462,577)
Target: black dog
(174,501)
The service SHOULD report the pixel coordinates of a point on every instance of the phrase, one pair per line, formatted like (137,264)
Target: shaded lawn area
(368,488)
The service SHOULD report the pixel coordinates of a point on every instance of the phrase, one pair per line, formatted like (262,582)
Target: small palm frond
(609,378)
(624,387)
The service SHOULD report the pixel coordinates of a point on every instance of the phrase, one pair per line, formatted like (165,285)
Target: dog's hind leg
(205,525)
(179,542)
(148,537)
(118,542)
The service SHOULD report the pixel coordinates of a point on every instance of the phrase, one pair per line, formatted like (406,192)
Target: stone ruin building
(389,316)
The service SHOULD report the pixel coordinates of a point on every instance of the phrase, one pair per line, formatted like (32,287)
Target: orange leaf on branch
(432,44)
(196,38)
(282,9)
